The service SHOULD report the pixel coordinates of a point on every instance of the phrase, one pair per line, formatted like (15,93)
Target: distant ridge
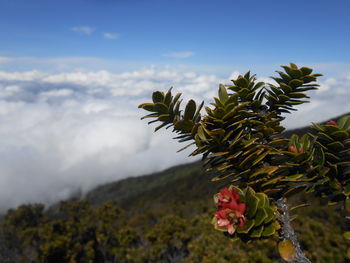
(306,129)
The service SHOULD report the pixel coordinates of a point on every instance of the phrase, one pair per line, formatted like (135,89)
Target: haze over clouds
(73,130)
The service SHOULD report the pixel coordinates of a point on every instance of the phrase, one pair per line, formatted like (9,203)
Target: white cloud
(77,129)
(111,35)
(180,55)
(21,76)
(86,30)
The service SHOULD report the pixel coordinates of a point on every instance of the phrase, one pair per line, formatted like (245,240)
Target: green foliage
(238,137)
(261,217)
(332,168)
(240,140)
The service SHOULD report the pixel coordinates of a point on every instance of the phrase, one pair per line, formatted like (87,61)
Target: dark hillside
(306,129)
(127,191)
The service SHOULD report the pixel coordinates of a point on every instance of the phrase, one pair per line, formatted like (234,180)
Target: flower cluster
(231,212)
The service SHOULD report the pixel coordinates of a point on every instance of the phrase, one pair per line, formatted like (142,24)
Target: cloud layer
(73,130)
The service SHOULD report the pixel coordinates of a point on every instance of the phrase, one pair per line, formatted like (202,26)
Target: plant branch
(287,231)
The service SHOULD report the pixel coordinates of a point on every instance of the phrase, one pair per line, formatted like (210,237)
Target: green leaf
(295,73)
(147,106)
(272,181)
(223,96)
(297,95)
(185,126)
(295,83)
(337,146)
(247,226)
(252,202)
(190,110)
(256,232)
(197,114)
(158,96)
(250,158)
(331,128)
(293,178)
(260,216)
(287,69)
(241,82)
(325,136)
(298,206)
(153,115)
(260,158)
(294,190)
(161,108)
(270,215)
(201,133)
(263,201)
(284,76)
(168,97)
(293,66)
(164,118)
(306,70)
(340,135)
(308,79)
(177,107)
(265,170)
(296,102)
(160,126)
(250,95)
(176,98)
(184,148)
(278,142)
(344,122)
(269,230)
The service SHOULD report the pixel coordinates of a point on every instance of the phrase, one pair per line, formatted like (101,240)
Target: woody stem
(287,231)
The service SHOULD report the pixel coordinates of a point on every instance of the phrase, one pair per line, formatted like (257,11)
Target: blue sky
(216,33)
(72,74)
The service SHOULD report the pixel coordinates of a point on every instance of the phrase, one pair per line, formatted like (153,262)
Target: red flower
(331,122)
(231,212)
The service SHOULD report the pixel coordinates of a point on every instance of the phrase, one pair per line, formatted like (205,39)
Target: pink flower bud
(292,149)
(331,122)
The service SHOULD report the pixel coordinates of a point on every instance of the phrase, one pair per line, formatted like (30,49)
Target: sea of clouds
(68,131)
